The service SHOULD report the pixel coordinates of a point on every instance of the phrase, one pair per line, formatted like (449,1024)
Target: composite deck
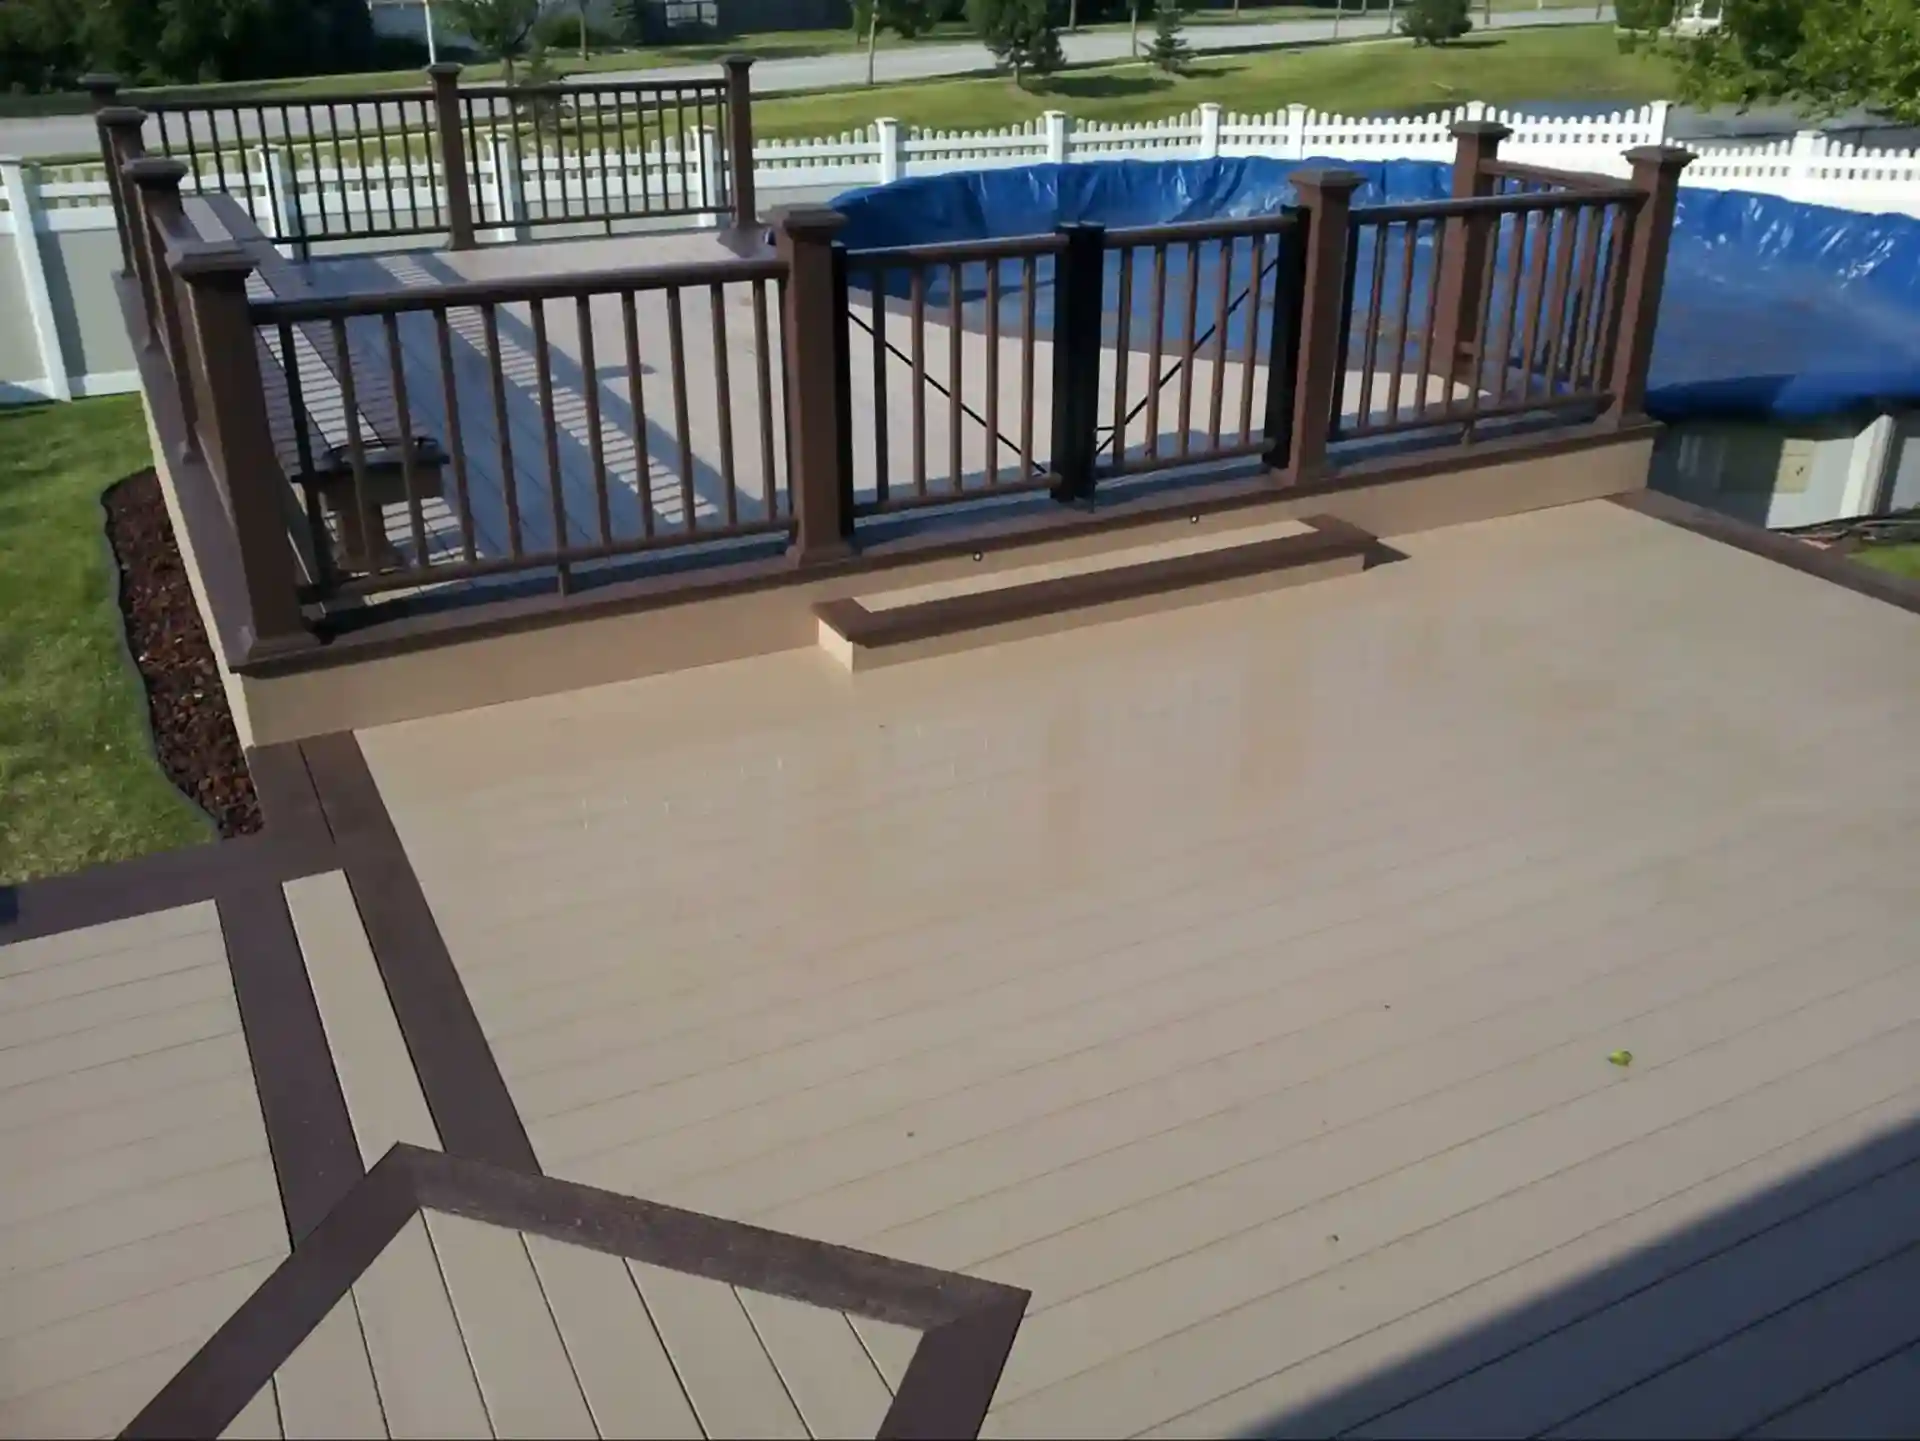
(1476,996)
(1244,980)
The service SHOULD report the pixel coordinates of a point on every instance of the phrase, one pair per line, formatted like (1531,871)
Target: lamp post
(433,51)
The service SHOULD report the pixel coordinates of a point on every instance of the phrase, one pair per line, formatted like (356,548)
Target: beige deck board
(733,1385)
(834,1383)
(511,1338)
(420,1363)
(326,1387)
(39,1297)
(1308,914)
(383,1094)
(69,1349)
(629,1383)
(137,1199)
(1345,1383)
(97,1404)
(126,939)
(1776,1362)
(1664,1326)
(890,1347)
(258,1421)
(1250,1234)
(1881,1401)
(107,1095)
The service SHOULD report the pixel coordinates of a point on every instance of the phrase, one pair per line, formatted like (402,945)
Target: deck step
(884,627)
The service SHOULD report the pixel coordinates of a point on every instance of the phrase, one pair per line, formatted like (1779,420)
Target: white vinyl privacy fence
(57,222)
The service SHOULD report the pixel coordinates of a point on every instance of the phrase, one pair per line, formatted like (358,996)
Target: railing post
(242,454)
(746,215)
(453,154)
(156,184)
(818,374)
(1077,306)
(120,141)
(1656,172)
(1299,447)
(102,90)
(146,180)
(1463,254)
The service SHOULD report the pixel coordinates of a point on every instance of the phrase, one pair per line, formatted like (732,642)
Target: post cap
(444,67)
(808,222)
(1327,180)
(1662,157)
(736,60)
(154,172)
(120,117)
(1480,130)
(210,260)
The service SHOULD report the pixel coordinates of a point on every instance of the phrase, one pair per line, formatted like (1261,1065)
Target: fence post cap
(1662,157)
(1481,129)
(120,117)
(154,172)
(1327,180)
(808,222)
(736,60)
(445,67)
(211,260)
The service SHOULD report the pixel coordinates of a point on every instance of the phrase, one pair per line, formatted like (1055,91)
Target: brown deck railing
(450,430)
(684,148)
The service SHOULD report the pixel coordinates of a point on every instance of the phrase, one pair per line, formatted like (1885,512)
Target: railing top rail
(1625,195)
(1229,229)
(300,102)
(586,87)
(464,293)
(1011,247)
(1549,175)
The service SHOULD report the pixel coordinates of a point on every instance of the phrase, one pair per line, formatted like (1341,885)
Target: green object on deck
(1621,1058)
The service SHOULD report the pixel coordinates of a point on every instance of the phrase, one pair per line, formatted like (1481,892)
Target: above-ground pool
(1772,310)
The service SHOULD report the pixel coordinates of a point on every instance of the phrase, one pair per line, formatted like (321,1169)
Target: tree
(905,18)
(501,29)
(1020,33)
(1169,51)
(1435,22)
(1825,55)
(1640,21)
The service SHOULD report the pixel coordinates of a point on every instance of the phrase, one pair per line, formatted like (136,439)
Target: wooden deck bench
(326,470)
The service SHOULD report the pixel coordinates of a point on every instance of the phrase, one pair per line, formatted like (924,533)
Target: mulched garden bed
(192,725)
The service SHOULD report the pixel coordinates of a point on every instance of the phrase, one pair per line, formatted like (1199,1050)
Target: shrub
(1169,51)
(1435,22)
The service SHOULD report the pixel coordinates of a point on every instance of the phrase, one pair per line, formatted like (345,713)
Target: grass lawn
(771,45)
(78,781)
(1568,63)
(1896,559)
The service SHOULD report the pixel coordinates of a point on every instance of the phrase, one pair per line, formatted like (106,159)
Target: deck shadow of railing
(1779,1310)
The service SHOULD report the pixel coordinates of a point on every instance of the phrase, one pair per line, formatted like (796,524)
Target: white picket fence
(284,191)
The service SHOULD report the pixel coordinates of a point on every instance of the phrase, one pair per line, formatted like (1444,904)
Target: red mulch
(192,725)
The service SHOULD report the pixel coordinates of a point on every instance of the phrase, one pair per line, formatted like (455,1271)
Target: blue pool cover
(1771,308)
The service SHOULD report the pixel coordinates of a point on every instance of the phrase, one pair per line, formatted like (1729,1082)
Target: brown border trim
(968,1325)
(1829,565)
(316,1159)
(478,621)
(1329,540)
(465,1091)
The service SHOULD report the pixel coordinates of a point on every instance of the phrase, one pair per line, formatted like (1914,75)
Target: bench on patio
(323,469)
